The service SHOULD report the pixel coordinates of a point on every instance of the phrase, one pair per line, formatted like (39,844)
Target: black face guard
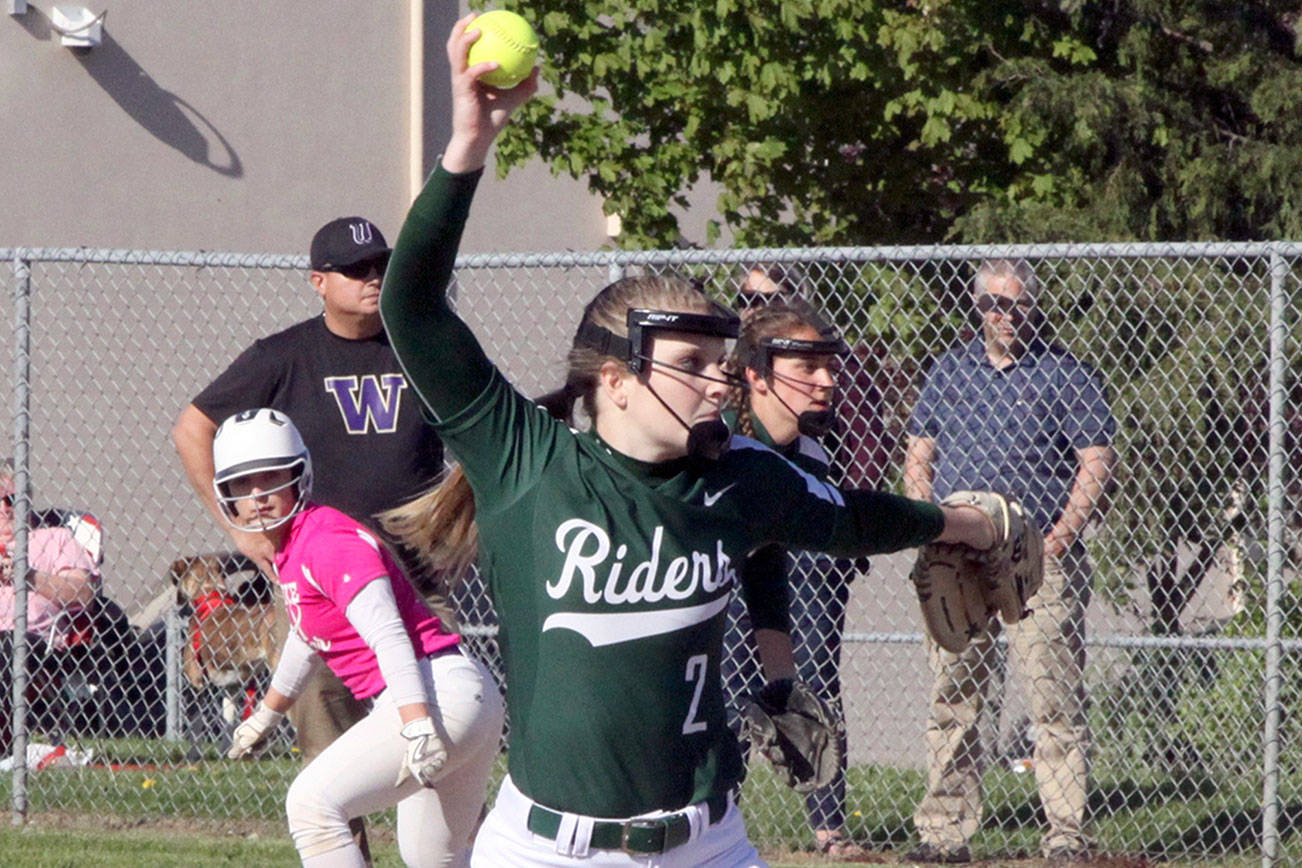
(815,423)
(761,357)
(635,349)
(708,439)
(811,423)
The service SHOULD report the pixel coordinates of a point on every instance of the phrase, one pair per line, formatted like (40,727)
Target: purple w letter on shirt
(371,405)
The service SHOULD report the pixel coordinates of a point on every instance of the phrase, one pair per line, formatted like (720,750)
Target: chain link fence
(1193,628)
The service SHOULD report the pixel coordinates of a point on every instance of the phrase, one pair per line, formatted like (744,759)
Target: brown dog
(232,636)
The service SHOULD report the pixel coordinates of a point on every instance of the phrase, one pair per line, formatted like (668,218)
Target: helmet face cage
(227,501)
(721,322)
(255,441)
(812,423)
(706,439)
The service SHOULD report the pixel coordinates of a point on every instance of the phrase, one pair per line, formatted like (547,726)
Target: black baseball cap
(346,240)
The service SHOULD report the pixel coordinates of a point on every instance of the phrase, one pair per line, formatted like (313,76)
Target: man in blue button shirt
(1009,412)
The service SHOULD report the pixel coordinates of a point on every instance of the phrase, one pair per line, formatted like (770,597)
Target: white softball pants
(355,775)
(505,839)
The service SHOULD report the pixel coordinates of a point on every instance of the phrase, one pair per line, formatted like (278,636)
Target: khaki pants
(1049,650)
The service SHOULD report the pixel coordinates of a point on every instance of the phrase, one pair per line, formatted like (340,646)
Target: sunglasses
(362,270)
(988,302)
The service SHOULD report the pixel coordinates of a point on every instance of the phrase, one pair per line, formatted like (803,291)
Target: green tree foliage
(1191,428)
(984,121)
(867,122)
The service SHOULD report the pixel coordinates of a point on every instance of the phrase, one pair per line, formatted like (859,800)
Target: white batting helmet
(257,440)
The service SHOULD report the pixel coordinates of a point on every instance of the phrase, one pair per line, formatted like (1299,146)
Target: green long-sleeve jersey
(764,573)
(610,576)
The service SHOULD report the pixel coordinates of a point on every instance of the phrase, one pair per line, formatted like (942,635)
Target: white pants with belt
(505,839)
(355,775)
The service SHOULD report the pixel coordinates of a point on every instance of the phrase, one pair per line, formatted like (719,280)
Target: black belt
(647,835)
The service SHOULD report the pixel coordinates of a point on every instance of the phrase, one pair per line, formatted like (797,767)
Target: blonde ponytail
(439,526)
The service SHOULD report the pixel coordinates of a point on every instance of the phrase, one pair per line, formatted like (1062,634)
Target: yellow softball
(508,39)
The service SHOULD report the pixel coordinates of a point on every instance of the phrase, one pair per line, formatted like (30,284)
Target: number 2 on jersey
(696,669)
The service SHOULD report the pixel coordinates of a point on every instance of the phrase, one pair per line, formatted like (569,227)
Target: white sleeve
(297,664)
(374,614)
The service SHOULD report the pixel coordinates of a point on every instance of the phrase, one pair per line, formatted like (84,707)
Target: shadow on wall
(166,116)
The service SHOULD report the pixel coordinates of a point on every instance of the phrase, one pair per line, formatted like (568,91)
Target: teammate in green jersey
(791,360)
(611,554)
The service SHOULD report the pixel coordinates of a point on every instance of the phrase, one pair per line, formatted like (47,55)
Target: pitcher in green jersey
(611,554)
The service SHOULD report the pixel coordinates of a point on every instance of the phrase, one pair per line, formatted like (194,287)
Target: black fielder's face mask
(708,439)
(815,423)
(811,423)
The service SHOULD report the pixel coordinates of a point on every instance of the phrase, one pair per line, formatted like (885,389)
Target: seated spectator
(61,580)
(61,575)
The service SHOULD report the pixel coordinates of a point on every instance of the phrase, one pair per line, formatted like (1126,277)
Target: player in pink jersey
(429,741)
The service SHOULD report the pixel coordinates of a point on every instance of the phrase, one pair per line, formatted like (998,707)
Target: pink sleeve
(53,549)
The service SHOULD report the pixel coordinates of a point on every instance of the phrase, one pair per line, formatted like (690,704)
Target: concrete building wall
(243,126)
(234,126)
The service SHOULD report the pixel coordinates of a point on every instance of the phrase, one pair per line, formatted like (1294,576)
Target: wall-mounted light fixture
(17,7)
(78,26)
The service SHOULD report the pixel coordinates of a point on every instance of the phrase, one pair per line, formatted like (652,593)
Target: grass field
(159,805)
(80,844)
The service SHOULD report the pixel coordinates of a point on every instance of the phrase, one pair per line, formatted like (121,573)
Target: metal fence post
(172,668)
(1274,567)
(21,508)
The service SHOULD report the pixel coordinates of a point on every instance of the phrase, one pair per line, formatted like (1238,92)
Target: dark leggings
(820,588)
(36,661)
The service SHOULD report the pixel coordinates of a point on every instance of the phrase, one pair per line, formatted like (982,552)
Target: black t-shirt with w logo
(371,450)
